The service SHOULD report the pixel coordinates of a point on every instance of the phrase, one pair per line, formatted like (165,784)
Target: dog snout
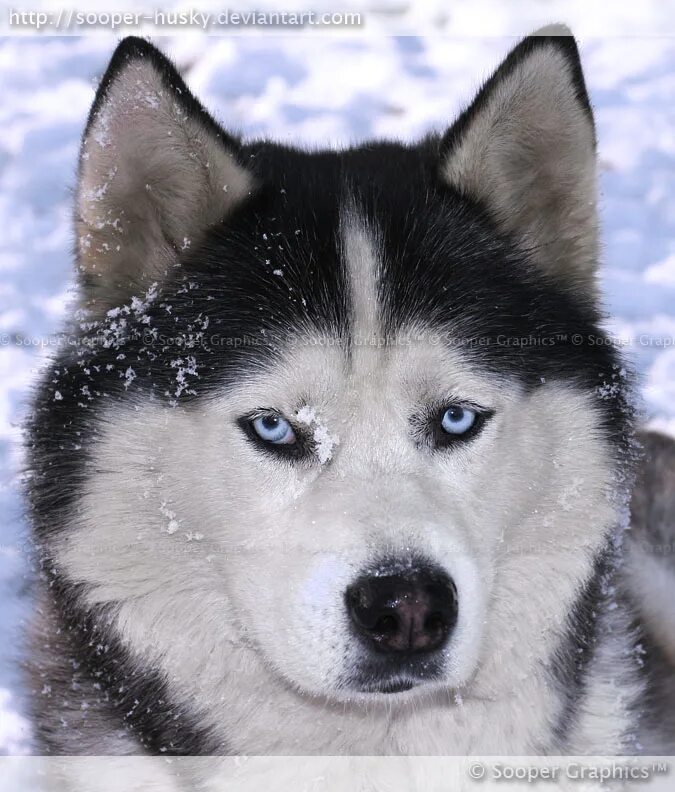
(410,612)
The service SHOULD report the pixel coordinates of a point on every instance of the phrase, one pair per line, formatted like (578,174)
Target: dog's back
(650,568)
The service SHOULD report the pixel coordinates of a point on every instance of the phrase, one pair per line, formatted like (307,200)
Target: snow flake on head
(114,330)
(172,524)
(609,390)
(185,367)
(129,377)
(131,331)
(324,441)
(614,386)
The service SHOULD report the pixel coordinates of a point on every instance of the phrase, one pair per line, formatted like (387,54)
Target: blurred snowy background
(323,89)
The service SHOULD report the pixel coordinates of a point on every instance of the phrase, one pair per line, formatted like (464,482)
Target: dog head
(334,419)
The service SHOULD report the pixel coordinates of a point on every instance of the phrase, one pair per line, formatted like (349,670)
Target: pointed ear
(155,172)
(525,150)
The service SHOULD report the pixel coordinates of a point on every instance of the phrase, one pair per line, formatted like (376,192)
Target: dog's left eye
(273,428)
(458,420)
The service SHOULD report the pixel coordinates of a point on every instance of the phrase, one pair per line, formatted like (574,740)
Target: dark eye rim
(445,439)
(291,451)
(428,426)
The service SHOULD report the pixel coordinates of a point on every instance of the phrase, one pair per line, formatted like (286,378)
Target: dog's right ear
(155,172)
(525,150)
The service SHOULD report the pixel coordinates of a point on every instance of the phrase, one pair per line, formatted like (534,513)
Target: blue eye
(274,429)
(458,420)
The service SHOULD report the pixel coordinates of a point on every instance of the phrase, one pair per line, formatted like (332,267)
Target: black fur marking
(139,697)
(574,656)
(446,266)
(275,267)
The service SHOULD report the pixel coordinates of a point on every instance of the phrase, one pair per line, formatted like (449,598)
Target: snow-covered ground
(313,88)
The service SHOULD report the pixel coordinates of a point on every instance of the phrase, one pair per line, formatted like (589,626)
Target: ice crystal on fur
(324,441)
(173,524)
(129,376)
(185,367)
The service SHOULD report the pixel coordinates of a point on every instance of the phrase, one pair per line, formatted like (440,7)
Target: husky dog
(336,456)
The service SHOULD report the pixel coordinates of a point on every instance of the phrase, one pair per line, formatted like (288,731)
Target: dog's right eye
(274,429)
(458,420)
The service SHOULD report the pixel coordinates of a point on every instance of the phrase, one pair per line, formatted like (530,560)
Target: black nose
(410,612)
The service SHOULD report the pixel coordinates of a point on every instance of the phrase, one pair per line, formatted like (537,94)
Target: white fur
(515,517)
(360,251)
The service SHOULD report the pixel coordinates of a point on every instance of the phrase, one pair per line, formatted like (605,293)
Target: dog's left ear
(525,150)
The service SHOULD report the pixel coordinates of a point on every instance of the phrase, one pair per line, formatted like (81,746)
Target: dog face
(328,424)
